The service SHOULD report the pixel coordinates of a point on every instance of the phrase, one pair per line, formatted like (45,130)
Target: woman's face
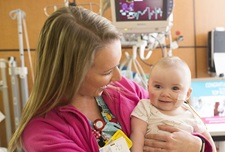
(104,70)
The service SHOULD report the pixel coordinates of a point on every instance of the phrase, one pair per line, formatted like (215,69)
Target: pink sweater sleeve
(208,146)
(63,129)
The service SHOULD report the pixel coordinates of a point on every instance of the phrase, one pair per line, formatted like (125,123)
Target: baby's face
(168,87)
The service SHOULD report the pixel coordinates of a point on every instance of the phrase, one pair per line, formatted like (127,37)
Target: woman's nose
(116,74)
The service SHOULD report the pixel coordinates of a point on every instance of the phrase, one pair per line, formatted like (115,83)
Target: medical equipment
(145,25)
(91,6)
(19,14)
(141,16)
(4,89)
(13,72)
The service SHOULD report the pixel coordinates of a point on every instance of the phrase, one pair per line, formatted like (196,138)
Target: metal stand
(13,72)
(19,14)
(4,89)
(140,76)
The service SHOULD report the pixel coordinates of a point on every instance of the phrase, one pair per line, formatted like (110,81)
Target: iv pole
(22,70)
(13,72)
(4,89)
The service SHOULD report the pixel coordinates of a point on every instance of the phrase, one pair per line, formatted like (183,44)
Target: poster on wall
(208,99)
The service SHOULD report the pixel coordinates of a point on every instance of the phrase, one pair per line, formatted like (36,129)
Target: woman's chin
(99,92)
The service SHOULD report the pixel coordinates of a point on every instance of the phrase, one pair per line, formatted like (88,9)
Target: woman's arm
(209,138)
(176,141)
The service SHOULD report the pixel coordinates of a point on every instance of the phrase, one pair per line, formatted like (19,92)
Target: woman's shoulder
(58,126)
(58,119)
(40,131)
(44,125)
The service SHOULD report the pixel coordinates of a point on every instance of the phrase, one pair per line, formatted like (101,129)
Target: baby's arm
(138,131)
(208,136)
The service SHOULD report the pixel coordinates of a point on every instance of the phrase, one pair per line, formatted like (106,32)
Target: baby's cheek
(151,95)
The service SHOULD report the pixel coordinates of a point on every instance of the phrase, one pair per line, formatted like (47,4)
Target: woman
(78,85)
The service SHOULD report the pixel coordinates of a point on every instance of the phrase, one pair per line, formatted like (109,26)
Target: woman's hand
(175,141)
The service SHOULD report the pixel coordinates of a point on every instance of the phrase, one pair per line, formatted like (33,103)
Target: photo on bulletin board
(208,99)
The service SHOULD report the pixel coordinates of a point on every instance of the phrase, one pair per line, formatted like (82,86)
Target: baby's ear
(189,93)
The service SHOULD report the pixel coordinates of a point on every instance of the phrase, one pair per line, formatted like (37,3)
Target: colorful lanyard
(103,130)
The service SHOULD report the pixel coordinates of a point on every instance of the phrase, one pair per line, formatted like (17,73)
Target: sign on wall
(208,99)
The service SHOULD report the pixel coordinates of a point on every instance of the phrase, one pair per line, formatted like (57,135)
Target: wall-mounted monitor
(141,16)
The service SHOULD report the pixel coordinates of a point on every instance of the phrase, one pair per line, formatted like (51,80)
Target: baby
(169,87)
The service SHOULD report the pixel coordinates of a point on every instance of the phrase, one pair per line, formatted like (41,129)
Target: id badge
(118,145)
(117,135)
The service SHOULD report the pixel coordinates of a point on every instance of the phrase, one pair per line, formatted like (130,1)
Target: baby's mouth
(166,101)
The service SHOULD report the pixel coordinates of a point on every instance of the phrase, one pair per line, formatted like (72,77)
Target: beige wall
(192,18)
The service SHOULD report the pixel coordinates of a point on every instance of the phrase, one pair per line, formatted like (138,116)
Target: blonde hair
(66,49)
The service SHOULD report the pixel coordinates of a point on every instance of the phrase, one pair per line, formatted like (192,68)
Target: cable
(28,50)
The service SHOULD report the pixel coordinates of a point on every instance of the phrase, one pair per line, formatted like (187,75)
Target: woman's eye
(107,73)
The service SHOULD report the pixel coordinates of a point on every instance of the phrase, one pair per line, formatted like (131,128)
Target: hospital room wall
(192,19)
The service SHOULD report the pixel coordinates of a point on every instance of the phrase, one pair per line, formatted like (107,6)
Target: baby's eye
(175,88)
(157,86)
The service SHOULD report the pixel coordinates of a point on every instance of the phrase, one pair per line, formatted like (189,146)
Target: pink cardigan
(65,129)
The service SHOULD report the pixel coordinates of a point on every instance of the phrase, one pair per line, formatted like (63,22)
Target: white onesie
(187,121)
